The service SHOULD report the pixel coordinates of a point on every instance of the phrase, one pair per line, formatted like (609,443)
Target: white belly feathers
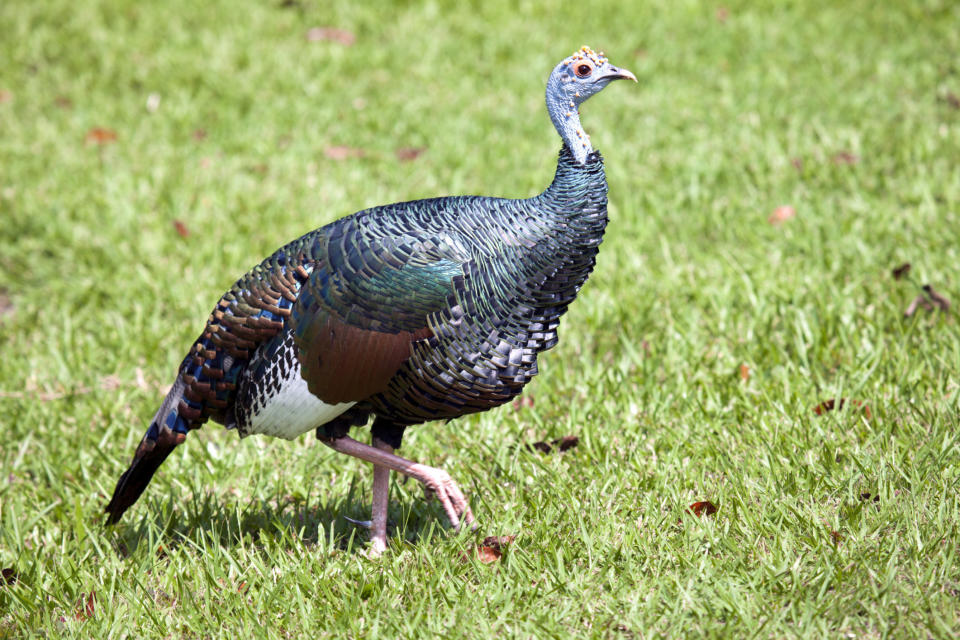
(279,403)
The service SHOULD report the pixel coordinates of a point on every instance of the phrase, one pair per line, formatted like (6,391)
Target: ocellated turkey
(402,314)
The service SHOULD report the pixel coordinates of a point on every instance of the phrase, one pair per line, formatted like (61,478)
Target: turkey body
(416,311)
(410,312)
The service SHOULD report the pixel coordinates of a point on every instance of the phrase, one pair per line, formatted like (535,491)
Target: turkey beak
(619,74)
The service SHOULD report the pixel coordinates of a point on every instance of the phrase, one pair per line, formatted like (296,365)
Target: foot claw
(439,483)
(366,524)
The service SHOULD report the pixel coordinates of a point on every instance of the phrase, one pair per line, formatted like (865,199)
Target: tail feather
(167,430)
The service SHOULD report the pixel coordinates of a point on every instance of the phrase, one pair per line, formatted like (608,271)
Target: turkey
(403,314)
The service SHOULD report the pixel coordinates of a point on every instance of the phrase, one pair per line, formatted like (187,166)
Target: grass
(222,114)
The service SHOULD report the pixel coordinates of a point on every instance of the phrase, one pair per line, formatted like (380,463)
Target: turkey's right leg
(436,480)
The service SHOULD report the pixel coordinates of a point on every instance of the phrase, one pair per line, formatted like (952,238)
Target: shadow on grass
(215,520)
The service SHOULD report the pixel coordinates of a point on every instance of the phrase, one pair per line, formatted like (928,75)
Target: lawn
(150,153)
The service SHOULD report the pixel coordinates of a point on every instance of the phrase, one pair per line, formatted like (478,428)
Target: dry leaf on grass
(332,34)
(491,549)
(63,102)
(702,508)
(86,606)
(781,214)
(952,100)
(340,152)
(406,154)
(744,372)
(560,444)
(836,537)
(845,158)
(9,575)
(5,96)
(99,135)
(181,228)
(942,303)
(929,300)
(901,271)
(833,403)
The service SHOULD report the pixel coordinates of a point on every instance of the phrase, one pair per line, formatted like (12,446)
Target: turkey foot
(436,480)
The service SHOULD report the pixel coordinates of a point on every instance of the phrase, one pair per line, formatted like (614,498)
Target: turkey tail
(167,430)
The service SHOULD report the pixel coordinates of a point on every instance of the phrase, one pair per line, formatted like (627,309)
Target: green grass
(734,115)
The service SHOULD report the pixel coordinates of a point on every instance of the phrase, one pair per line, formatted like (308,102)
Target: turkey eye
(583,70)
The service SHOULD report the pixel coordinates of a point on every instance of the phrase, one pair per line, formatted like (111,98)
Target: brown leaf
(845,158)
(497,542)
(181,228)
(242,586)
(491,549)
(722,14)
(703,508)
(836,537)
(781,214)
(562,444)
(797,163)
(952,100)
(86,606)
(99,135)
(488,555)
(744,372)
(901,271)
(832,403)
(406,154)
(63,102)
(5,96)
(10,576)
(942,303)
(342,152)
(341,36)
(199,134)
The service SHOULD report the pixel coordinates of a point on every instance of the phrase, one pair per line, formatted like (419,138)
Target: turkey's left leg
(381,500)
(436,480)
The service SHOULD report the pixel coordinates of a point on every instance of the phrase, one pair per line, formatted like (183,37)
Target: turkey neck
(574,210)
(576,200)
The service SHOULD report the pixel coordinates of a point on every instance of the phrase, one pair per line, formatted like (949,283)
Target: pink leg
(436,480)
(381,500)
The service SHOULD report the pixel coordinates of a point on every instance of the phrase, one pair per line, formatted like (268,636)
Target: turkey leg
(436,480)
(381,500)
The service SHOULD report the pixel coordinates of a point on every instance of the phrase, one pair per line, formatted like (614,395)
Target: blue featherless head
(572,82)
